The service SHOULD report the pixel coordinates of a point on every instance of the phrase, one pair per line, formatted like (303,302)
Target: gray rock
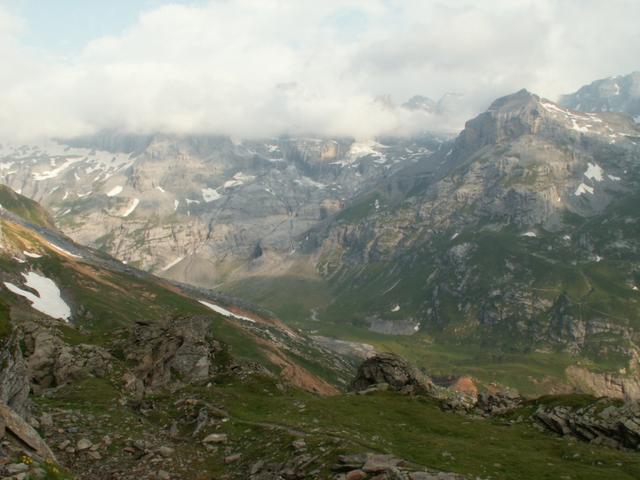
(232,458)
(391,370)
(163,475)
(83,444)
(299,444)
(601,422)
(166,451)
(25,432)
(376,463)
(215,438)
(14,468)
(170,353)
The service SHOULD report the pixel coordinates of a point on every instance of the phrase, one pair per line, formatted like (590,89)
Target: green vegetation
(24,207)
(360,209)
(5,321)
(262,418)
(288,297)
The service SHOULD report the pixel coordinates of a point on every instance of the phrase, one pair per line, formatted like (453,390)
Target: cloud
(270,67)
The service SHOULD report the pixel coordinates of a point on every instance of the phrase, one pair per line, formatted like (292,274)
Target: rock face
(14,377)
(604,384)
(171,354)
(602,422)
(392,370)
(202,210)
(478,244)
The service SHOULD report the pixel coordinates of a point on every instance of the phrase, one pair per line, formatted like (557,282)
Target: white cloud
(265,67)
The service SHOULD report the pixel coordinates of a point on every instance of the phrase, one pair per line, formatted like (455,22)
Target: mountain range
(181,306)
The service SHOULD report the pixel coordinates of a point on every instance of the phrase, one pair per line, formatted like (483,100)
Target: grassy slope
(111,299)
(24,207)
(412,428)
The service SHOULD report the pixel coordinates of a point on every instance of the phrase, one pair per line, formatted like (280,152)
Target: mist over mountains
(252,69)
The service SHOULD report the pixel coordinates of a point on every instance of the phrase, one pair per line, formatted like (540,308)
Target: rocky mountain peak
(507,118)
(420,102)
(612,94)
(515,102)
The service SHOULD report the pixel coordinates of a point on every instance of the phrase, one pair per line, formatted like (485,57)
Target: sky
(269,67)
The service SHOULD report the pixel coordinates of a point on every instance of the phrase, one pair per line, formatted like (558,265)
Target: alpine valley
(434,306)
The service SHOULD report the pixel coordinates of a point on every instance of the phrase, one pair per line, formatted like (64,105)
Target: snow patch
(31,254)
(551,107)
(48,300)
(117,190)
(529,234)
(396,308)
(237,180)
(131,208)
(160,189)
(224,311)
(172,264)
(578,128)
(594,172)
(582,189)
(210,194)
(176,203)
(62,250)
(614,178)
(56,171)
(307,182)
(358,150)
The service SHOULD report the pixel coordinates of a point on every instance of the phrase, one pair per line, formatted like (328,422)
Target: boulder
(170,353)
(605,422)
(24,432)
(215,438)
(394,371)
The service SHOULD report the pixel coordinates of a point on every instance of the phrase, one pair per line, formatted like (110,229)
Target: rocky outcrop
(24,433)
(604,384)
(497,403)
(390,369)
(52,362)
(602,422)
(384,467)
(14,378)
(171,353)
